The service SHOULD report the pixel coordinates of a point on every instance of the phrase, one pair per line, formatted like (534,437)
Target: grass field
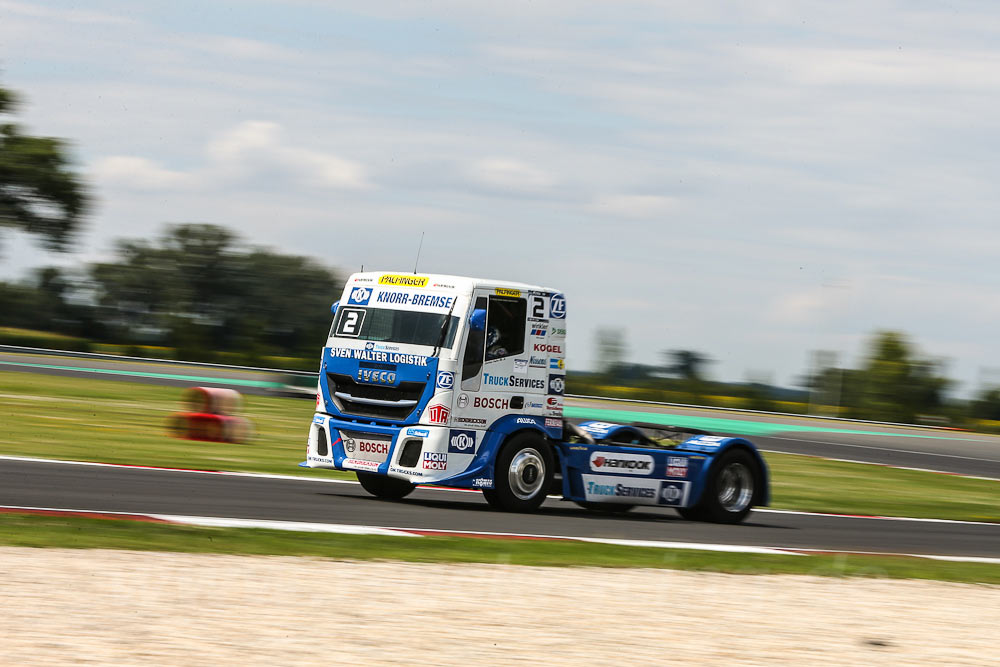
(67,532)
(123,422)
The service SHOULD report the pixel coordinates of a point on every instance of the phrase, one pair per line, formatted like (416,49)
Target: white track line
(432,487)
(348,529)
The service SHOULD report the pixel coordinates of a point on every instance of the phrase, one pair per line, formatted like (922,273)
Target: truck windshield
(406,327)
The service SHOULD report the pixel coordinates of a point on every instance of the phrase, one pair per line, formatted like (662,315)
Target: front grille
(349,387)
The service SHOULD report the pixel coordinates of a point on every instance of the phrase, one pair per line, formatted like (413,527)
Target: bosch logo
(491,403)
(374,447)
(463,400)
(349,444)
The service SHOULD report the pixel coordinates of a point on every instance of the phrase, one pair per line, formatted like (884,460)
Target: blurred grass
(124,422)
(69,532)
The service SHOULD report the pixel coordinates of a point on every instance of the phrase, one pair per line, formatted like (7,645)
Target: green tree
(686,364)
(39,192)
(897,384)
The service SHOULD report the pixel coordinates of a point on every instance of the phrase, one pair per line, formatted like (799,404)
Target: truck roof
(462,284)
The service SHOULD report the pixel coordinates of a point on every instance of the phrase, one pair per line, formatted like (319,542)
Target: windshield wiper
(444,329)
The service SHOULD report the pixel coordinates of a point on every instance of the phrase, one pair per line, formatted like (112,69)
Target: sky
(750,180)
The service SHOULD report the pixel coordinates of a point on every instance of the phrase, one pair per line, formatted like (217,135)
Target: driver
(494,349)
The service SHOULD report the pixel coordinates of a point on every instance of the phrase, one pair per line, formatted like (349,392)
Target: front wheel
(388,488)
(523,473)
(730,492)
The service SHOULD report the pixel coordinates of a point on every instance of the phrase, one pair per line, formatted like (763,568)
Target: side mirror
(477,320)
(333,308)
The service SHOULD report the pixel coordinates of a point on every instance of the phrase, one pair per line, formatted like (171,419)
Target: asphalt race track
(94,488)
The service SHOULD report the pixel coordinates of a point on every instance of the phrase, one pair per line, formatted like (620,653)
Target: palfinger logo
(402,281)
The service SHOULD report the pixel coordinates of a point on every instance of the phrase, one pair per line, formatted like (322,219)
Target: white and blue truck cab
(459,382)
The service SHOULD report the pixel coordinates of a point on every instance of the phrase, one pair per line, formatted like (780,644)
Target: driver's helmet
(492,337)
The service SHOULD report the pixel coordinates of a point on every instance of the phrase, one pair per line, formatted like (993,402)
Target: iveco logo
(376,377)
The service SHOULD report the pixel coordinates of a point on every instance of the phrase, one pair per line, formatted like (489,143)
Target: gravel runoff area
(122,607)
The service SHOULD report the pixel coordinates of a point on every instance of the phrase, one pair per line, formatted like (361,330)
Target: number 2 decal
(537,307)
(351,320)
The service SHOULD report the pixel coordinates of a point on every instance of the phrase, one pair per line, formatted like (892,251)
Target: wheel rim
(735,487)
(526,473)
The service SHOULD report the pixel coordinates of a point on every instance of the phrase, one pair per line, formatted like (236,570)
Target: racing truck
(459,382)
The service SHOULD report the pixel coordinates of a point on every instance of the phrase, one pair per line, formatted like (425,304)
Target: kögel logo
(402,281)
(461,442)
(547,347)
(637,464)
(438,414)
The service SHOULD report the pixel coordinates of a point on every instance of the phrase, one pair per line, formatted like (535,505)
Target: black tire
(388,488)
(733,487)
(522,474)
(609,508)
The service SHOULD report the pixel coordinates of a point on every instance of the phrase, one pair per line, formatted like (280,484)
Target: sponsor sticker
(557,364)
(445,380)
(536,362)
(630,490)
(538,330)
(463,400)
(482,483)
(418,432)
(371,354)
(394,298)
(520,365)
(557,307)
(512,381)
(557,384)
(471,421)
(438,414)
(461,442)
(703,443)
(435,461)
(547,347)
(360,464)
(634,464)
(527,420)
(491,403)
(402,281)
(557,332)
(677,466)
(359,296)
(553,402)
(673,493)
(504,291)
(552,422)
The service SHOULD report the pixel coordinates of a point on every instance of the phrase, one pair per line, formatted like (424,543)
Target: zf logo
(359,296)
(557,307)
(461,442)
(445,380)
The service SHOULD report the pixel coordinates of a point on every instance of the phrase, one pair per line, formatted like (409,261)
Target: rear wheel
(522,475)
(389,488)
(732,486)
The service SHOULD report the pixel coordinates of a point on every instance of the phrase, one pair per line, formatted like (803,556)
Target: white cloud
(635,206)
(510,174)
(138,173)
